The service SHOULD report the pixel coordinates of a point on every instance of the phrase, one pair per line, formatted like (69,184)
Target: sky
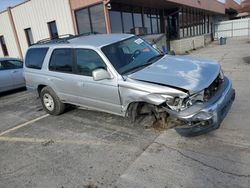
(4,4)
(223,1)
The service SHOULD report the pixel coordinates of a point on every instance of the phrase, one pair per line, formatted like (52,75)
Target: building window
(193,22)
(147,20)
(53,30)
(152,21)
(97,19)
(83,22)
(137,16)
(173,30)
(29,36)
(115,21)
(127,19)
(91,19)
(124,18)
(155,19)
(4,47)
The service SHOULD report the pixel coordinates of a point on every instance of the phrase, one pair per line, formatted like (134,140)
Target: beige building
(185,24)
(8,39)
(32,21)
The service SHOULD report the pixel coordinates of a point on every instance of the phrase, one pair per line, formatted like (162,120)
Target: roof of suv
(97,41)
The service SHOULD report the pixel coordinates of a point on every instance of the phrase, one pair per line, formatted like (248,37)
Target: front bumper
(208,116)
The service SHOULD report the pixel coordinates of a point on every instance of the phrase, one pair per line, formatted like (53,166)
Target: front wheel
(51,102)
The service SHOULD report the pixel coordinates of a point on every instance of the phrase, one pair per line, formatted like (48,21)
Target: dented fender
(138,91)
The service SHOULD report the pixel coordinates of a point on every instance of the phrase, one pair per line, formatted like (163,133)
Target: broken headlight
(179,104)
(175,103)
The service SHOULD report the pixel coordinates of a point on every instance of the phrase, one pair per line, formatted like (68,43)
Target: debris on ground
(47,143)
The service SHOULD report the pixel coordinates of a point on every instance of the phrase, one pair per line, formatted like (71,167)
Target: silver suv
(124,75)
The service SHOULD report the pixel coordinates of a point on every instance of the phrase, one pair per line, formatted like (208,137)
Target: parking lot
(86,148)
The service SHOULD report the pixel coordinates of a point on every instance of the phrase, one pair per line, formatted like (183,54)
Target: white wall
(35,14)
(234,28)
(7,32)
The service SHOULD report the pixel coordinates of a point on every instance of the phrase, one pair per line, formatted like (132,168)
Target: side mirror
(100,74)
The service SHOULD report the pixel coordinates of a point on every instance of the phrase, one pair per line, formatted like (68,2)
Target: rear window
(34,58)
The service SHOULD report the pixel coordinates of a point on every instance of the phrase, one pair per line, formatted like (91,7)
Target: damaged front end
(207,115)
(172,108)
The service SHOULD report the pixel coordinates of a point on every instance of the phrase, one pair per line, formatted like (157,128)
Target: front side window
(87,61)
(10,64)
(53,30)
(130,55)
(34,57)
(61,60)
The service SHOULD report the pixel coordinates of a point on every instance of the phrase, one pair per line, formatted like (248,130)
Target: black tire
(49,97)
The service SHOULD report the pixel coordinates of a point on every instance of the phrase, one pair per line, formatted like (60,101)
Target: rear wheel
(51,102)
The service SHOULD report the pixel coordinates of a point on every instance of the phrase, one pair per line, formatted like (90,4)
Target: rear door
(6,81)
(61,75)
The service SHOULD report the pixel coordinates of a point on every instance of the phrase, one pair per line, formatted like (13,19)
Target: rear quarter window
(35,57)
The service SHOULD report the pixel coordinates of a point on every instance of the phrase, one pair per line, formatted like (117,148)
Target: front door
(103,94)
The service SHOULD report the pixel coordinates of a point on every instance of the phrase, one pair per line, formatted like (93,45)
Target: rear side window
(61,60)
(34,58)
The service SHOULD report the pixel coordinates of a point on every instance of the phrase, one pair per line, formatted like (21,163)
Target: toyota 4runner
(124,75)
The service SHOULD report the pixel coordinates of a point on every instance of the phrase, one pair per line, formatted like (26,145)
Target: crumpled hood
(189,73)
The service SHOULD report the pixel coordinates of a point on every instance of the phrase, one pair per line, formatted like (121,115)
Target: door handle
(15,71)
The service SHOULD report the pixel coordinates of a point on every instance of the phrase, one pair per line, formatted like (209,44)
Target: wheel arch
(39,88)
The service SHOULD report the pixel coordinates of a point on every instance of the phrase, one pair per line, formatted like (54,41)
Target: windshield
(130,55)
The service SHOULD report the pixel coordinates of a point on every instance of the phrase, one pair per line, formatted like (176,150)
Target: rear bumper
(209,115)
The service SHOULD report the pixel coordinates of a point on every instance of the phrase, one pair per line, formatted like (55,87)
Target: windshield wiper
(149,62)
(136,67)
(154,58)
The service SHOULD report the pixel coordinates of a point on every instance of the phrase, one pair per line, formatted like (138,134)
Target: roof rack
(62,39)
